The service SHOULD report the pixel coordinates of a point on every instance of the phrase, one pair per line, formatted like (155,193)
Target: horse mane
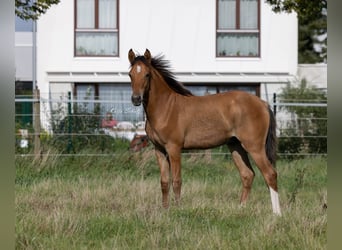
(163,67)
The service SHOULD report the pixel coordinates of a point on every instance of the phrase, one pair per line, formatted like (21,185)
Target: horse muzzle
(136,100)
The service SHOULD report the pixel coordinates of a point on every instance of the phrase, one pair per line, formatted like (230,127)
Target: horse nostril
(136,100)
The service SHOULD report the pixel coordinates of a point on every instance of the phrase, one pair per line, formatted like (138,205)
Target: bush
(289,144)
(306,131)
(80,130)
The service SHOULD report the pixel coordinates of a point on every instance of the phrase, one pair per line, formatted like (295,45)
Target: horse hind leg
(243,164)
(270,176)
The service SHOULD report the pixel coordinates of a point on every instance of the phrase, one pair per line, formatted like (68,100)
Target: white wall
(183,30)
(315,74)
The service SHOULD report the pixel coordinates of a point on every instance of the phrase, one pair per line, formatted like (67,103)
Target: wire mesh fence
(67,126)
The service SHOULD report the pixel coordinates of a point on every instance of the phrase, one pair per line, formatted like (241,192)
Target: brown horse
(178,120)
(138,143)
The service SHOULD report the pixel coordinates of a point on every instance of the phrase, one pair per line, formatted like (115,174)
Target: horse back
(212,120)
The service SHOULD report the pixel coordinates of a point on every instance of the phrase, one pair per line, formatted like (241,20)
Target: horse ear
(131,56)
(147,56)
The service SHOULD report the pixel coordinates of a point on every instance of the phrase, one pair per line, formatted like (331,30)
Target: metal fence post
(70,124)
(36,122)
(274,104)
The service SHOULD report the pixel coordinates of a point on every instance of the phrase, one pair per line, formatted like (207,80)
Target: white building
(315,74)
(23,70)
(213,46)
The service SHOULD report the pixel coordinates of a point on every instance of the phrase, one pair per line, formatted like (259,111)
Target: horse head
(140,75)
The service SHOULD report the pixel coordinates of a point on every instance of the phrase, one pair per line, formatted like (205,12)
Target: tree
(32,9)
(312,19)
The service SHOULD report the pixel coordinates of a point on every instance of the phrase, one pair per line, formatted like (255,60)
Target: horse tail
(271,139)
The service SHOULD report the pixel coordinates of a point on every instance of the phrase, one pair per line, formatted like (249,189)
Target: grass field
(115,203)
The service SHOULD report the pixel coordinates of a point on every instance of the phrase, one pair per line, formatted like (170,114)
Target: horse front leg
(174,153)
(164,176)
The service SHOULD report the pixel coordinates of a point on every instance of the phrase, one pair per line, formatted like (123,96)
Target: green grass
(115,203)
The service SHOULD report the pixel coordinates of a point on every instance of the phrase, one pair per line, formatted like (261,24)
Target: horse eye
(147,75)
(130,75)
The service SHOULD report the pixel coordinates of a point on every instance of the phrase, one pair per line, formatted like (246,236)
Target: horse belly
(206,137)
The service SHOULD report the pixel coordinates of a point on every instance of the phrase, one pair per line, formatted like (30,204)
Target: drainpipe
(34,54)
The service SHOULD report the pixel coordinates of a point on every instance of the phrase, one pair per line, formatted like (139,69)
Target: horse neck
(159,97)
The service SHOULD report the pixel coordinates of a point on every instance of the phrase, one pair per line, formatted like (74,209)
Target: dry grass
(115,204)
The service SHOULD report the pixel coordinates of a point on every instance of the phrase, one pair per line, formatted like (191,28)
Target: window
(96,28)
(203,89)
(108,97)
(23,110)
(238,28)
(85,97)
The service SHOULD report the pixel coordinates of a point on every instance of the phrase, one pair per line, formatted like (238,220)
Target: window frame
(96,28)
(238,30)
